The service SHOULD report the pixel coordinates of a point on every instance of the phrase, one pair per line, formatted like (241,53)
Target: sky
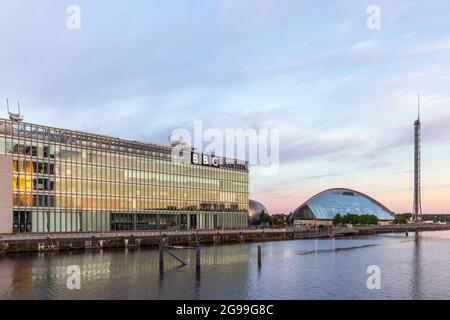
(342,95)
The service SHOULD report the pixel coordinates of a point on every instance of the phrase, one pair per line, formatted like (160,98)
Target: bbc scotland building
(56,180)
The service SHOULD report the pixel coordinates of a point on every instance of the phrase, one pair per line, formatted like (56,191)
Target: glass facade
(66,180)
(327,204)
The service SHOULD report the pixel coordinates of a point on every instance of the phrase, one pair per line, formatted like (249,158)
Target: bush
(337,219)
(355,219)
(265,218)
(400,219)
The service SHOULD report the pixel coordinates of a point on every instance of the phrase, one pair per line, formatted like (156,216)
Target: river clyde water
(410,268)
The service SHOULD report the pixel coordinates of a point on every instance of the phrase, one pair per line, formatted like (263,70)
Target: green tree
(279,220)
(265,218)
(400,219)
(337,220)
(356,219)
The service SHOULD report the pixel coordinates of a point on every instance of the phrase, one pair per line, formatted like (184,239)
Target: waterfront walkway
(25,242)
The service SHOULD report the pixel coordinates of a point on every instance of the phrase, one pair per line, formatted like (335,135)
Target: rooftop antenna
(418,106)
(14,116)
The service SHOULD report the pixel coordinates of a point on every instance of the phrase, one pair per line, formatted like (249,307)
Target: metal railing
(133,233)
(158,233)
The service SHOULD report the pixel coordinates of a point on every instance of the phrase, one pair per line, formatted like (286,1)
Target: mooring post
(259,255)
(161,254)
(197,256)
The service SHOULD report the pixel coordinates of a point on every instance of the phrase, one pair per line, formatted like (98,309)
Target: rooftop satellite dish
(174,140)
(14,116)
(187,145)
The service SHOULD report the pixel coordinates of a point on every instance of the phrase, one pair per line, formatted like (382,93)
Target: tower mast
(417,207)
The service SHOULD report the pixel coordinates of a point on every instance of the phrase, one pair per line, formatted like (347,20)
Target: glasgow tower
(417,207)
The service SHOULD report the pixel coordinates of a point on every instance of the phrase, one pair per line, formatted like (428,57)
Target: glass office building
(323,207)
(56,180)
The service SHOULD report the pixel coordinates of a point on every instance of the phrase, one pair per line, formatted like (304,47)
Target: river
(410,267)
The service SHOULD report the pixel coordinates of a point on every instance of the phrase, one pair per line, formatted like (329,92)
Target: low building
(323,207)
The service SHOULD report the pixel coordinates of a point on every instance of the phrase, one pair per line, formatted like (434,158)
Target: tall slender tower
(417,208)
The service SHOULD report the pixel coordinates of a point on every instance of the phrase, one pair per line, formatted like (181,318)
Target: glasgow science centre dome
(323,207)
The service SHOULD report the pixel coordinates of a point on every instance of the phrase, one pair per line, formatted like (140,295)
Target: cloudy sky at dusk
(342,96)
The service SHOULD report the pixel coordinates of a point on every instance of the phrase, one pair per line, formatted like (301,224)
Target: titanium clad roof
(254,211)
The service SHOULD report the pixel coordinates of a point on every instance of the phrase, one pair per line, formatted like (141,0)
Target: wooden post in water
(197,256)
(259,255)
(161,254)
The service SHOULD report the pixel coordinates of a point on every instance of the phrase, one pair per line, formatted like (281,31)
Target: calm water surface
(411,268)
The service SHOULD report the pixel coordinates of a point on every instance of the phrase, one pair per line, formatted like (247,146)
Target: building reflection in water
(7,277)
(229,271)
(120,274)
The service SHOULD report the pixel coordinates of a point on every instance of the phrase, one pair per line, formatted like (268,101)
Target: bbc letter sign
(204,159)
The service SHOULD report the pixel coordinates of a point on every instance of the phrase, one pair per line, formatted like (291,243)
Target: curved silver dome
(255,209)
(327,204)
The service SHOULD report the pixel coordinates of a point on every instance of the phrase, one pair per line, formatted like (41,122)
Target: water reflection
(416,265)
(303,269)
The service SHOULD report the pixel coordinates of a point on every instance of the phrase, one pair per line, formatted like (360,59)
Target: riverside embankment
(38,242)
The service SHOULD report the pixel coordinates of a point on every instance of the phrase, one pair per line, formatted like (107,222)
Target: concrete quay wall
(17,243)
